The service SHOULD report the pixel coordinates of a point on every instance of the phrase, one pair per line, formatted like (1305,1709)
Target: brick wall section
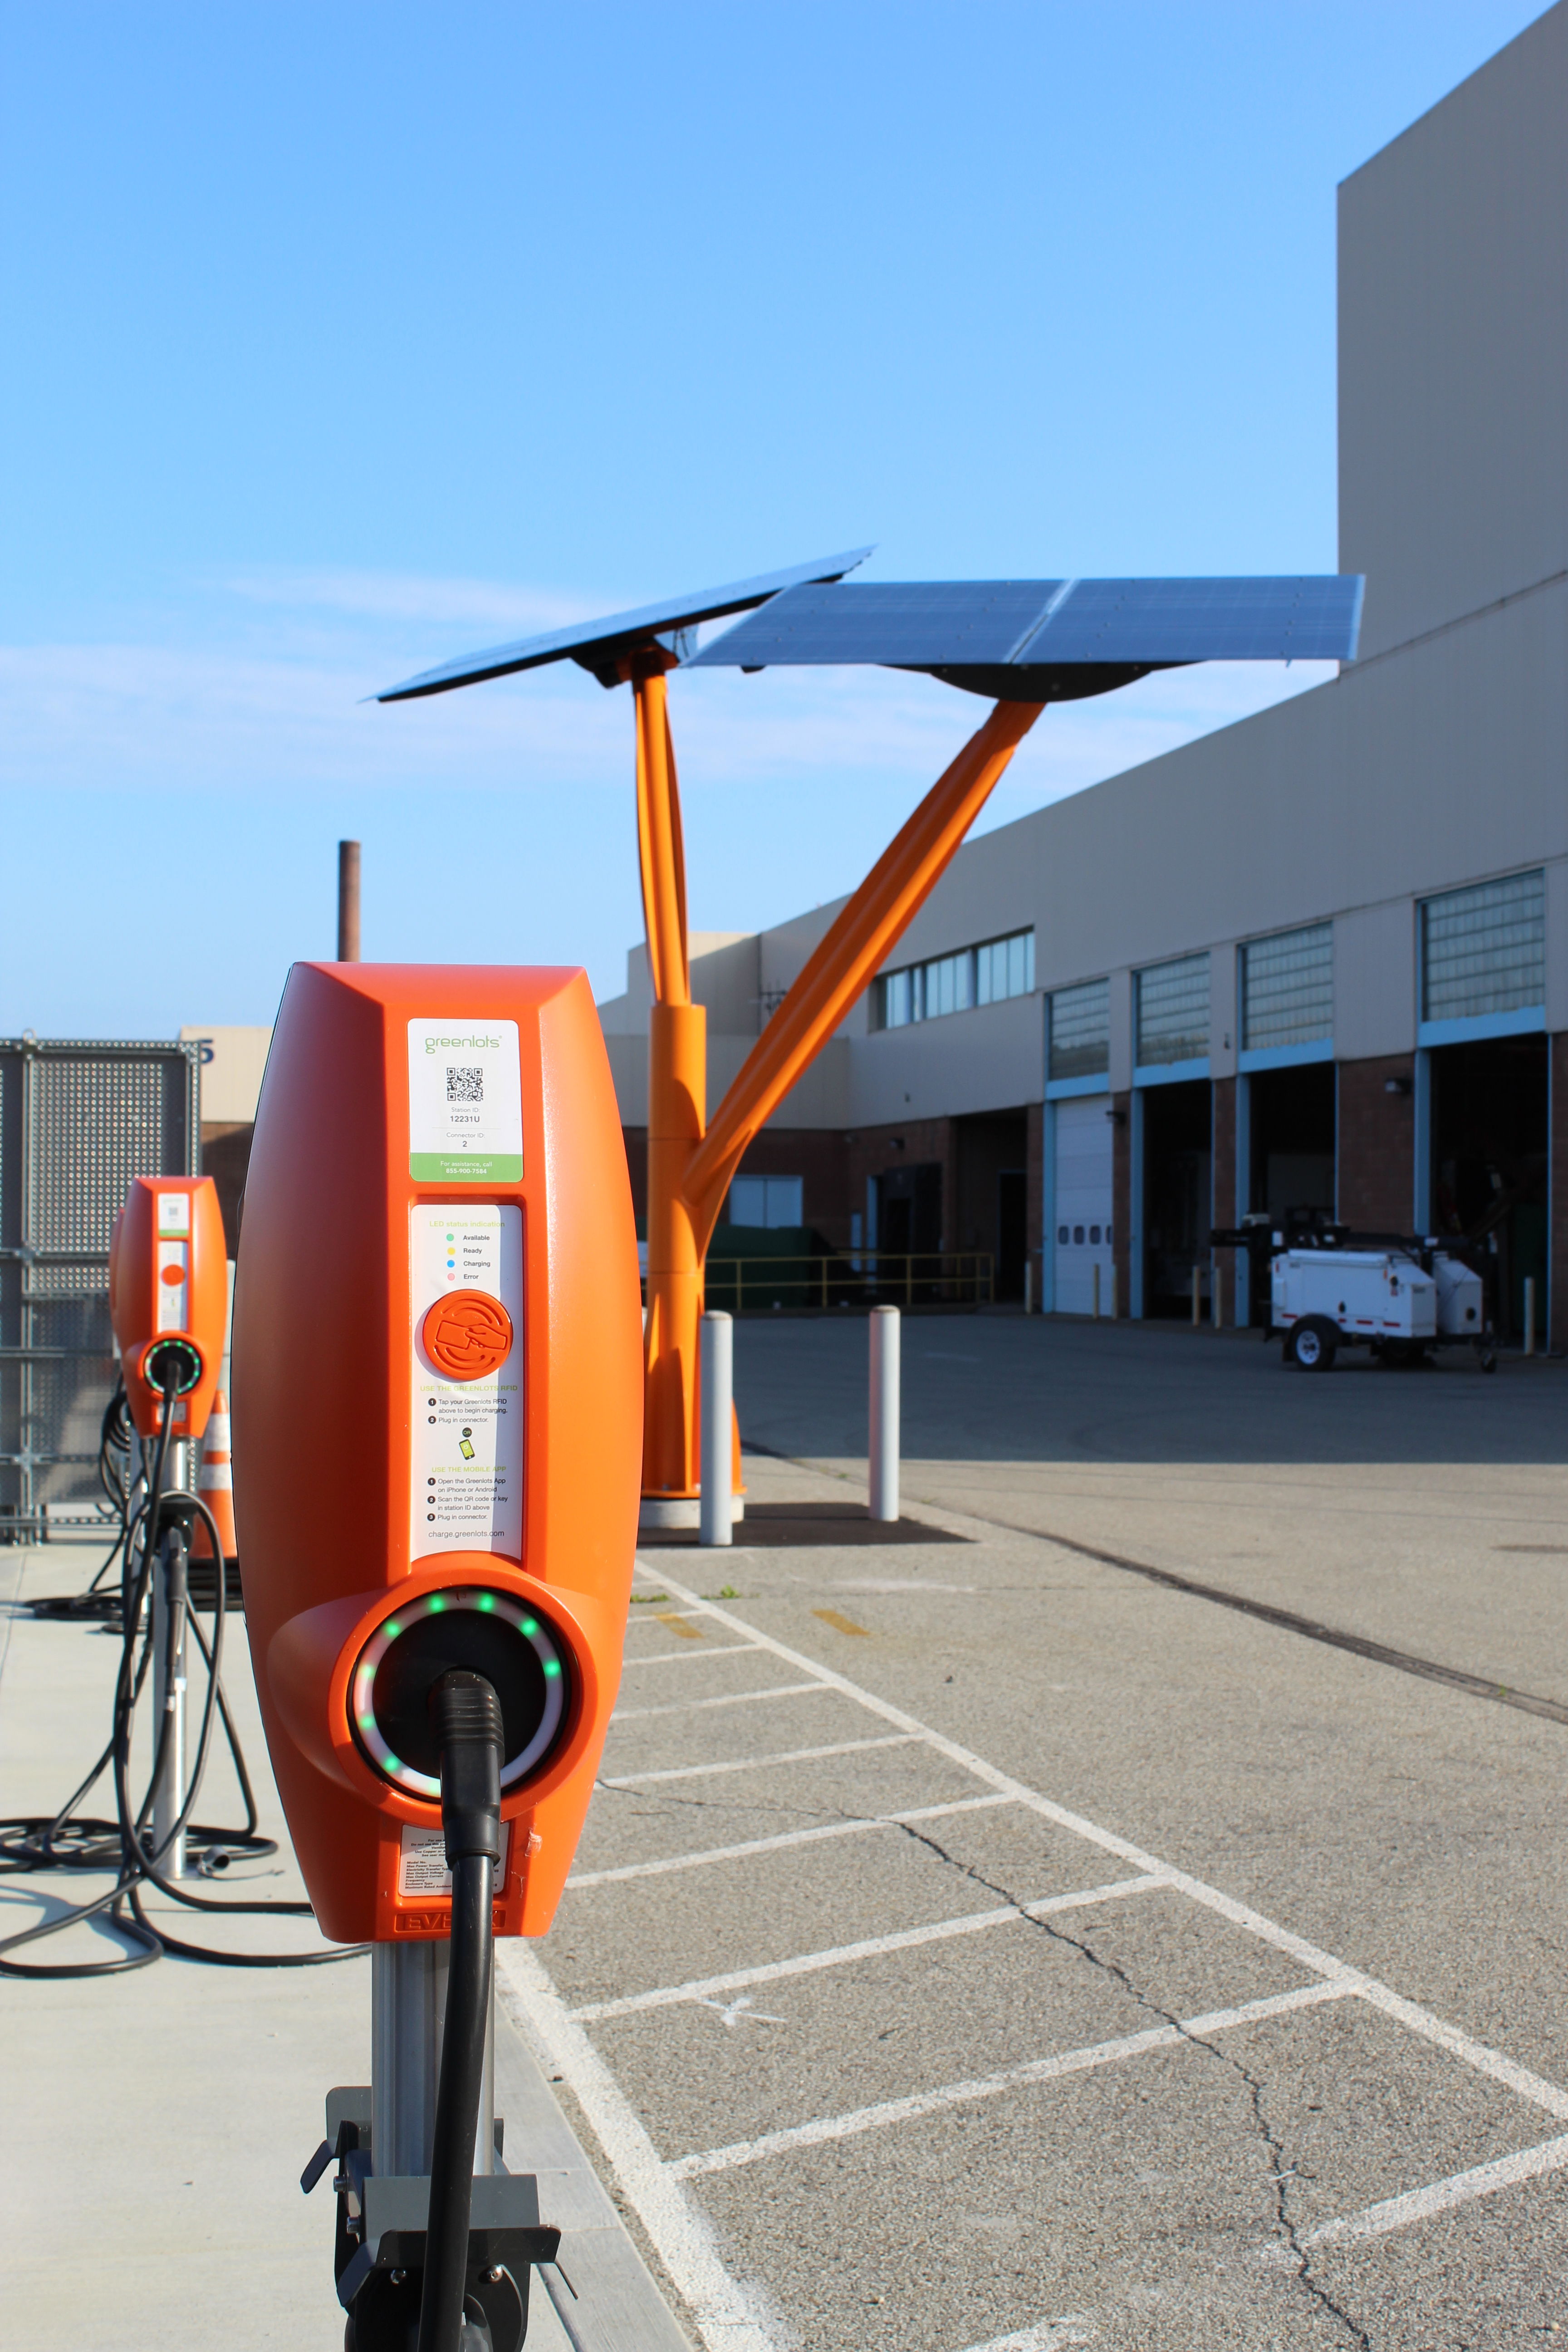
(226,1157)
(1223,1163)
(636,1141)
(818,1156)
(1034,1194)
(871,1150)
(1121,1195)
(1377,1145)
(1557,1312)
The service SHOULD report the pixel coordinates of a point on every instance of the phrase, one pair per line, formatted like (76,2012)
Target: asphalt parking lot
(975,1943)
(1123,1909)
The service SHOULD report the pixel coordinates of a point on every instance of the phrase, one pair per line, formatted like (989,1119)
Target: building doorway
(1490,1167)
(1292,1122)
(1178,1193)
(992,1150)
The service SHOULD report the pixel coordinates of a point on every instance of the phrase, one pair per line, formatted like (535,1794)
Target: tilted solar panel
(601,645)
(1047,640)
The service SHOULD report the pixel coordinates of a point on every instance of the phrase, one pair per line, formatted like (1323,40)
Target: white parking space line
(916,2104)
(1441,2197)
(756,1763)
(777,1844)
(1491,2063)
(1046,2335)
(728,1698)
(730,2317)
(870,1947)
(688,1658)
(729,2314)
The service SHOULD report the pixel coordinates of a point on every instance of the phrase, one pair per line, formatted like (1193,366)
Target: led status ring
(529,1664)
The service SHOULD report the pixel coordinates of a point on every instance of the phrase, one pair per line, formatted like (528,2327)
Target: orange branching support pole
(678,1092)
(839,967)
(689,1169)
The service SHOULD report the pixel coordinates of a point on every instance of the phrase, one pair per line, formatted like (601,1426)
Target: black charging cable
(70,1841)
(466,1716)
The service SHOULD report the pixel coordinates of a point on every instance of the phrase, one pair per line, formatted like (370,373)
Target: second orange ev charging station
(437,1388)
(168,1304)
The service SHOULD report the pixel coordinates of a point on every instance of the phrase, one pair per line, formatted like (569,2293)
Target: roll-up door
(1082,1237)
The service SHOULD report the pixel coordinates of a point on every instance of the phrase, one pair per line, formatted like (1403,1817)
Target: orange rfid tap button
(468,1333)
(439,1271)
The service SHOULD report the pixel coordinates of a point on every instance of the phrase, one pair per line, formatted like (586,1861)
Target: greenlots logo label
(435,1045)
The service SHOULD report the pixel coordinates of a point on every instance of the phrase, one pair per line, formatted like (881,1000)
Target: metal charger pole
(169,1606)
(407,2016)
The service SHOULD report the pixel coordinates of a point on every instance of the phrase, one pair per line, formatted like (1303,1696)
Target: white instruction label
(422,1863)
(466,1269)
(173,1270)
(465,1103)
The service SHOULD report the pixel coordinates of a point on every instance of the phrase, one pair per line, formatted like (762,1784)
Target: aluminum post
(718,1366)
(407,2016)
(884,1449)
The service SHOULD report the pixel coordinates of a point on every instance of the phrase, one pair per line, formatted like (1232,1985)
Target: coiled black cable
(67,1840)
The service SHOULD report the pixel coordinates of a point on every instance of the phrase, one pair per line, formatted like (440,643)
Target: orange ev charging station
(168,1305)
(438,1394)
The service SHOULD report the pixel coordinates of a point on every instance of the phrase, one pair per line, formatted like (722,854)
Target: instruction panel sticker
(465,1102)
(422,1862)
(466,1284)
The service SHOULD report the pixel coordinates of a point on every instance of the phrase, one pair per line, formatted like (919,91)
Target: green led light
(530,1626)
(486,1600)
(391,1763)
(436,1604)
(553,1665)
(393,1627)
(367,1723)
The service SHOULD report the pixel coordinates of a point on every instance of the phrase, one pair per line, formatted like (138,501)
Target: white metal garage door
(1083,1235)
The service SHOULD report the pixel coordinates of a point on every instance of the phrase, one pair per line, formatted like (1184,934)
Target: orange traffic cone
(215,1484)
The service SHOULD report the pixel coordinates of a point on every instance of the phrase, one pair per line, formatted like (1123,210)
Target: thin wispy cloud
(275,699)
(410,596)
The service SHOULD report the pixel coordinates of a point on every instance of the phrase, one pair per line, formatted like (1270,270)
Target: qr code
(465,1086)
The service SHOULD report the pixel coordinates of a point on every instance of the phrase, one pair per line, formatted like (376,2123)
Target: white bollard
(884,1462)
(1529,1314)
(718,1369)
(1028,1286)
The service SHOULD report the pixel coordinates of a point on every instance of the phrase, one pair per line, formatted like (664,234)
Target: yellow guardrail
(863,1277)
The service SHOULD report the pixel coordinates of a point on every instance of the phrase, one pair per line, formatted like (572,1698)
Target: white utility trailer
(1399,1302)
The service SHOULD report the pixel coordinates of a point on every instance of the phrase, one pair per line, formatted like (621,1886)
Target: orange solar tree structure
(1021,642)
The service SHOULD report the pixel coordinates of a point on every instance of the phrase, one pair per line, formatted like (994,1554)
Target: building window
(1484,950)
(1288,989)
(1004,968)
(1080,1030)
(951,983)
(766,1201)
(1174,1012)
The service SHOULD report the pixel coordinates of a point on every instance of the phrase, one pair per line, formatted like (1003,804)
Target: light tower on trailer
(1022,643)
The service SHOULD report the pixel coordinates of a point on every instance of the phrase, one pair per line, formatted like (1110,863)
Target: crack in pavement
(1280,2171)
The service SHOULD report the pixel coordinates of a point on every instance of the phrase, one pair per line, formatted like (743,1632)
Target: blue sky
(343,339)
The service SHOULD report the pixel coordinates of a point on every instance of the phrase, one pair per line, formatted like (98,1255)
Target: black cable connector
(466,1716)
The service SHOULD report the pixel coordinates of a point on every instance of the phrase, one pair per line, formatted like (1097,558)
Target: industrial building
(1320,958)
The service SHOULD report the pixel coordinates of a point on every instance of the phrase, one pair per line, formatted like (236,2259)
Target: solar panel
(601,647)
(1047,640)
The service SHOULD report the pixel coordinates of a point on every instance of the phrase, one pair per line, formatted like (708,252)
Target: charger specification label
(465,1103)
(422,1860)
(467,1452)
